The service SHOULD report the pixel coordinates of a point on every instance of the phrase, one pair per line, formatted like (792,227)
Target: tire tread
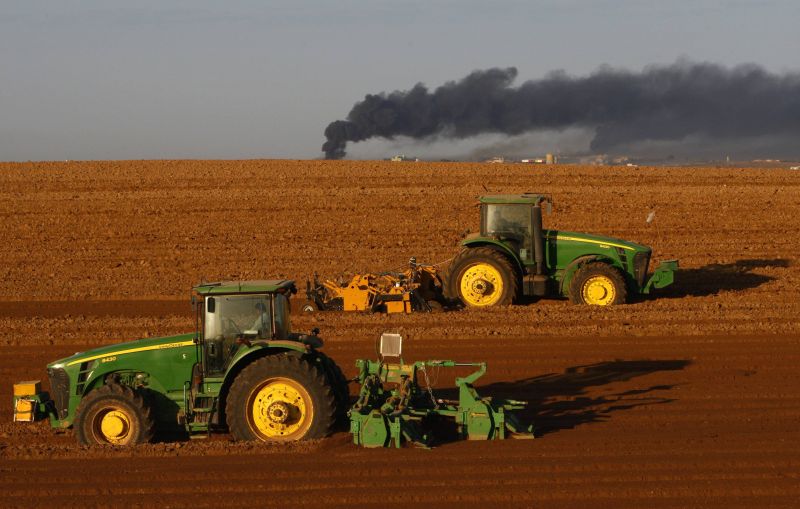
(119,393)
(597,268)
(291,366)
(451,287)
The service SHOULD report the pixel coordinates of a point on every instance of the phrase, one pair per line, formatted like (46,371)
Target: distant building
(547,159)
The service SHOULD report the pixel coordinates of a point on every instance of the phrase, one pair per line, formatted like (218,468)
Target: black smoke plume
(660,103)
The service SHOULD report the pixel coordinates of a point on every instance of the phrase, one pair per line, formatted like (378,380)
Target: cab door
(511,224)
(230,321)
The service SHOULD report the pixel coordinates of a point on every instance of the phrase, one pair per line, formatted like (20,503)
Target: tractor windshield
(507,221)
(231,320)
(510,222)
(231,316)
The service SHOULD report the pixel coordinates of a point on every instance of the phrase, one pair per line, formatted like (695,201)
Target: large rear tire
(113,414)
(281,397)
(482,276)
(597,284)
(338,383)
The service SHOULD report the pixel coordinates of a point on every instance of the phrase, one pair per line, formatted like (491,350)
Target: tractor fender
(259,349)
(575,264)
(497,246)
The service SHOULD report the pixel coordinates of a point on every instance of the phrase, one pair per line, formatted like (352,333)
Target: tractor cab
(234,314)
(514,220)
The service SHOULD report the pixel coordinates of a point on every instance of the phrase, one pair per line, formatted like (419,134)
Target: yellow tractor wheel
(597,284)
(481,277)
(280,398)
(113,414)
(279,409)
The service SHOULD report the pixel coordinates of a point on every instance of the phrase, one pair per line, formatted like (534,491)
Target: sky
(201,79)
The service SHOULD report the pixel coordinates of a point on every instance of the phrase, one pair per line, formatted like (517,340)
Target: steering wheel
(230,325)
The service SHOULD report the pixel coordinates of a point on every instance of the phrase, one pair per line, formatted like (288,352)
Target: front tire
(280,398)
(597,284)
(113,415)
(481,277)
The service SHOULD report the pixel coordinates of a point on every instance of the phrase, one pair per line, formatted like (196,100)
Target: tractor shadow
(556,401)
(717,277)
(561,401)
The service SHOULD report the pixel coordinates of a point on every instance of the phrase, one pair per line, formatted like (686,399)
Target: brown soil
(689,398)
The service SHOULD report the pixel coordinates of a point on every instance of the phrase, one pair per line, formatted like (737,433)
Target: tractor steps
(198,413)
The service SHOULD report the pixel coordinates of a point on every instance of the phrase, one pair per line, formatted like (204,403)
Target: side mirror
(315,331)
(211,304)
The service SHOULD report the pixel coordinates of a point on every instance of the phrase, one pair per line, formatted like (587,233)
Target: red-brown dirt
(688,398)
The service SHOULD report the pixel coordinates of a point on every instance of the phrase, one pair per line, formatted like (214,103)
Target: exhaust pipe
(538,239)
(539,280)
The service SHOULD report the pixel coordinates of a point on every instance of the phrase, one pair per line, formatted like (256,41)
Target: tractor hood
(140,345)
(599,240)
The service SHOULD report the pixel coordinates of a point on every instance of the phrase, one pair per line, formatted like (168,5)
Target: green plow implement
(393,408)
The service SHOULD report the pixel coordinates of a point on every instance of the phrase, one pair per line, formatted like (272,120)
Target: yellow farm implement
(417,288)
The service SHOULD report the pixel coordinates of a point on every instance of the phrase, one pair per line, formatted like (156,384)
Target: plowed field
(690,398)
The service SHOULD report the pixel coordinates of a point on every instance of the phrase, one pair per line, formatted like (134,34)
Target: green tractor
(242,369)
(514,256)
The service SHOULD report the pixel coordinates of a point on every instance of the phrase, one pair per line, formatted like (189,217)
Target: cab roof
(254,286)
(522,199)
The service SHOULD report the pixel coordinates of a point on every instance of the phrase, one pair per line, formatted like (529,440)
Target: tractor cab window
(229,318)
(281,317)
(512,221)
(506,221)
